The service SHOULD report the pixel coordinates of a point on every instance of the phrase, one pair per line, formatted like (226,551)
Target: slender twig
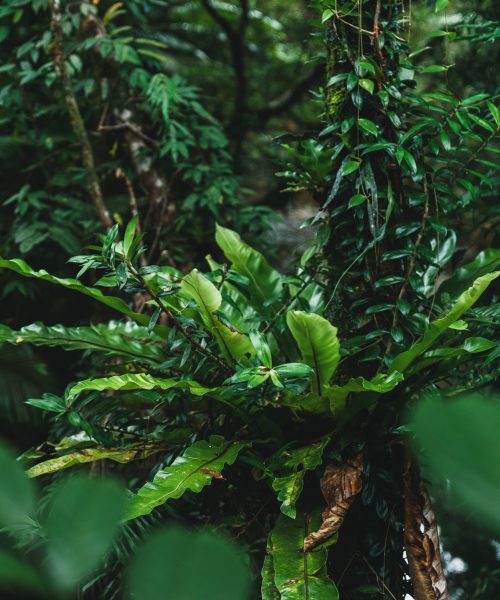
(75,116)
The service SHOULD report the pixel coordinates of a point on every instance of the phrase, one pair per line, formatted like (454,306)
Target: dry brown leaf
(422,540)
(339,484)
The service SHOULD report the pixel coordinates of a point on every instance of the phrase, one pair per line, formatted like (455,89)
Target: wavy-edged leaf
(265,282)
(318,344)
(87,455)
(299,575)
(22,268)
(134,381)
(293,465)
(268,589)
(233,344)
(403,360)
(192,471)
(380,384)
(111,339)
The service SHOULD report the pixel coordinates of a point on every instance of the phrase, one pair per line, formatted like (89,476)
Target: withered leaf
(339,484)
(422,540)
(212,473)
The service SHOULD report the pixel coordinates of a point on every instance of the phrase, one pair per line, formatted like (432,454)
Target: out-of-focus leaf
(402,361)
(83,520)
(233,344)
(134,381)
(265,282)
(340,484)
(299,575)
(422,540)
(192,471)
(318,344)
(115,339)
(17,496)
(21,576)
(189,565)
(290,467)
(460,442)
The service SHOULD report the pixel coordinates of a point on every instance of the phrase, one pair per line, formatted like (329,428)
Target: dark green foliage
(230,394)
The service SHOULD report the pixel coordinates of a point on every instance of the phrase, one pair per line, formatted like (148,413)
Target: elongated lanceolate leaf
(192,471)
(111,339)
(268,589)
(133,381)
(299,575)
(265,283)
(20,266)
(87,455)
(465,301)
(292,466)
(318,343)
(233,344)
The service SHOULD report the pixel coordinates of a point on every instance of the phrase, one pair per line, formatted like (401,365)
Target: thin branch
(75,116)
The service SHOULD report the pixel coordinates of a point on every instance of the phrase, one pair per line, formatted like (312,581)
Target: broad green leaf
(369,86)
(129,236)
(460,442)
(181,564)
(318,344)
(356,200)
(289,467)
(83,519)
(113,339)
(17,496)
(22,268)
(234,345)
(265,282)
(192,471)
(380,384)
(262,349)
(368,125)
(88,455)
(299,575)
(402,361)
(133,381)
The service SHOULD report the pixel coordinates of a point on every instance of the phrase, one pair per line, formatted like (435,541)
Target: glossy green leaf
(234,345)
(265,282)
(192,471)
(381,384)
(350,166)
(467,299)
(133,381)
(181,564)
(290,467)
(111,339)
(318,344)
(367,125)
(268,589)
(368,85)
(299,575)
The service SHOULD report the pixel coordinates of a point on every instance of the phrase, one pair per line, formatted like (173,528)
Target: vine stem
(75,116)
(412,263)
